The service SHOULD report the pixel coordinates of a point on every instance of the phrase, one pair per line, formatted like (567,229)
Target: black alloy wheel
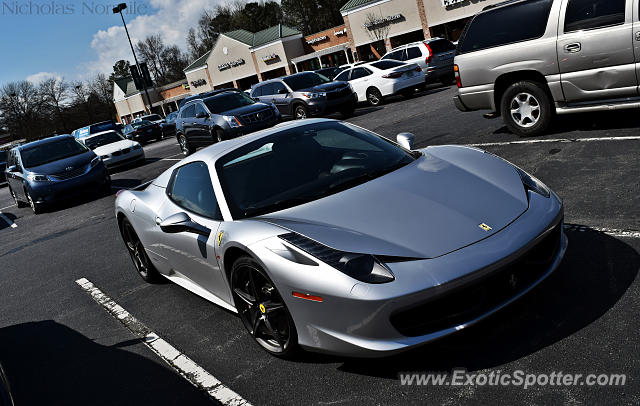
(139,256)
(261,308)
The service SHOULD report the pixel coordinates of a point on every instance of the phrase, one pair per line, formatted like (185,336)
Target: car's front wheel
(261,308)
(36,208)
(139,256)
(186,148)
(526,109)
(300,112)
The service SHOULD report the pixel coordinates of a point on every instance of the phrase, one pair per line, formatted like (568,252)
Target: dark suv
(225,115)
(52,169)
(307,94)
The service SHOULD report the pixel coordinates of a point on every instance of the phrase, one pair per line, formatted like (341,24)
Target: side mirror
(202,114)
(282,91)
(181,222)
(12,168)
(406,140)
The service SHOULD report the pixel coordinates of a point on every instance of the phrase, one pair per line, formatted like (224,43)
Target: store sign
(317,39)
(270,58)
(382,21)
(198,83)
(340,32)
(230,64)
(447,3)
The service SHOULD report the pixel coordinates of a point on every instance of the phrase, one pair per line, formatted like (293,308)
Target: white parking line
(8,220)
(188,369)
(609,231)
(171,159)
(8,207)
(547,141)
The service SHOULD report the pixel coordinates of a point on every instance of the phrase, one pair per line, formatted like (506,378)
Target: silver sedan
(325,236)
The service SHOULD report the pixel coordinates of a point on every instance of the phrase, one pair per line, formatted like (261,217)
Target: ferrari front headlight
(363,267)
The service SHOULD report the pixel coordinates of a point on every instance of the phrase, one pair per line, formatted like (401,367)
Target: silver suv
(434,56)
(530,59)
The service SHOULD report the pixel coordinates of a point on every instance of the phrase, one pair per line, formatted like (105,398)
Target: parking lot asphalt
(59,346)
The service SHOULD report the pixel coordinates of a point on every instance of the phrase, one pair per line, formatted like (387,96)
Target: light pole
(118,10)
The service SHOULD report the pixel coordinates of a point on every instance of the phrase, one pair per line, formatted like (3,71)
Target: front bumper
(251,127)
(44,193)
(358,319)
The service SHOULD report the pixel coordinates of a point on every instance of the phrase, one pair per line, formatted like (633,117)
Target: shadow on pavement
(3,222)
(49,363)
(596,272)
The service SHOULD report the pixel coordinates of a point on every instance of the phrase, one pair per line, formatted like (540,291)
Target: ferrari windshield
(303,164)
(99,140)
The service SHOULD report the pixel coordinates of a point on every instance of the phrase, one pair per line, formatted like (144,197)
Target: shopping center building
(241,58)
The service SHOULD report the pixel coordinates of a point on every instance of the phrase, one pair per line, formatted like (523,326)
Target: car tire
(35,208)
(300,112)
(142,263)
(526,109)
(262,309)
(19,203)
(186,148)
(218,135)
(374,97)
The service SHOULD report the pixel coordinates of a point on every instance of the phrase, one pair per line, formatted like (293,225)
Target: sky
(76,40)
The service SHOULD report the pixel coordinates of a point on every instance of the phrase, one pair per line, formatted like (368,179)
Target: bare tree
(377,27)
(150,51)
(55,95)
(21,106)
(80,91)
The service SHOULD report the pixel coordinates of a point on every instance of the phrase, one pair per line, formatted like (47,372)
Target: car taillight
(392,75)
(456,71)
(430,56)
(418,69)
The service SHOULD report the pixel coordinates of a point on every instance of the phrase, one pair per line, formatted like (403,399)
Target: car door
(264,93)
(16,178)
(281,97)
(595,50)
(360,81)
(201,122)
(186,120)
(193,256)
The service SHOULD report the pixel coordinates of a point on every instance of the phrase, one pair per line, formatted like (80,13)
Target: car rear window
(384,65)
(441,45)
(506,25)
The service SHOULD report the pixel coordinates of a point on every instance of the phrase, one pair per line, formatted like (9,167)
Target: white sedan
(114,149)
(373,81)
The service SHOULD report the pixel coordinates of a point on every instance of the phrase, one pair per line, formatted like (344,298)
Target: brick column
(206,70)
(352,44)
(423,19)
(255,66)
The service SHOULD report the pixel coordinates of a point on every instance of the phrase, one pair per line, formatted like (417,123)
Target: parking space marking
(609,231)
(171,159)
(548,141)
(182,364)
(8,207)
(8,220)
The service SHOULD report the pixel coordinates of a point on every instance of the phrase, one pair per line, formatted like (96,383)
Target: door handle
(158,221)
(573,47)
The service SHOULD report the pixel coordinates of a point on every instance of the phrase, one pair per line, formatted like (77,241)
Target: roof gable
(198,63)
(351,4)
(262,37)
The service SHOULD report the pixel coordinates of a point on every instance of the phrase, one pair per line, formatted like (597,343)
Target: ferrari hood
(449,198)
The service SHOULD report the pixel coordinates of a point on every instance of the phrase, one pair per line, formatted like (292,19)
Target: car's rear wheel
(19,203)
(186,148)
(139,256)
(300,112)
(526,109)
(374,97)
(37,209)
(261,308)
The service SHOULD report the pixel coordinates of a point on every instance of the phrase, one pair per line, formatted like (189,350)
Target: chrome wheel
(301,113)
(183,145)
(261,308)
(374,97)
(136,250)
(32,204)
(525,110)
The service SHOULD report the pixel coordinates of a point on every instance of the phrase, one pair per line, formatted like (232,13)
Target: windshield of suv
(51,151)
(102,139)
(100,127)
(276,172)
(227,101)
(305,80)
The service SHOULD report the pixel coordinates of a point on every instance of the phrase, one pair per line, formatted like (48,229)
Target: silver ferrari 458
(325,236)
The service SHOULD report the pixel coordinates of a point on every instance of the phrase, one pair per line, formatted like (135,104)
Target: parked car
(95,128)
(434,56)
(374,81)
(154,118)
(324,235)
(330,73)
(3,166)
(306,94)
(168,125)
(224,115)
(114,149)
(204,95)
(143,131)
(42,172)
(546,57)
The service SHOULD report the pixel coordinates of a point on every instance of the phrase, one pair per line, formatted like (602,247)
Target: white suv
(434,56)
